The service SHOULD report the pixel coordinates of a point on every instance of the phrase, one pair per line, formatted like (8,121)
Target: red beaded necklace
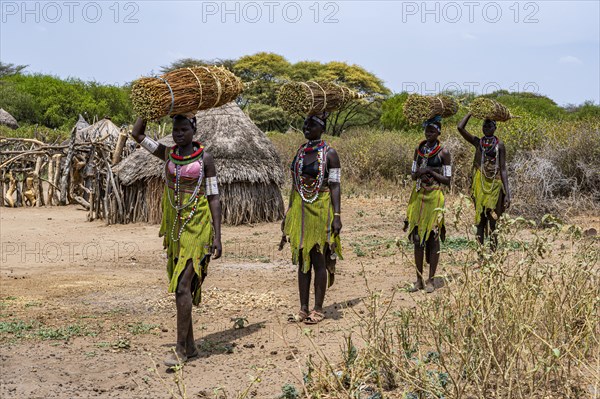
(185,159)
(431,152)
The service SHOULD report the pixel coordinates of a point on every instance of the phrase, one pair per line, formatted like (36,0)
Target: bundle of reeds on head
(419,108)
(184,90)
(309,98)
(486,108)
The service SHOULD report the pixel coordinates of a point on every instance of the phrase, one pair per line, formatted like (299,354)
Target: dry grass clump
(544,180)
(525,326)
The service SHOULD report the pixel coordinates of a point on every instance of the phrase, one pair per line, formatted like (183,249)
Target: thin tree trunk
(50,180)
(117,154)
(64,183)
(39,194)
(57,158)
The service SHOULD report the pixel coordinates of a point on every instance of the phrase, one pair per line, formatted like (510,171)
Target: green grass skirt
(485,194)
(309,226)
(425,212)
(195,242)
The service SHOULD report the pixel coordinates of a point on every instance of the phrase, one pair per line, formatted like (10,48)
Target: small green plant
(121,343)
(288,391)
(15,327)
(139,328)
(60,333)
(358,251)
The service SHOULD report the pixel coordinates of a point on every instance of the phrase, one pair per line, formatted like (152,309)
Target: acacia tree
(366,111)
(263,73)
(10,69)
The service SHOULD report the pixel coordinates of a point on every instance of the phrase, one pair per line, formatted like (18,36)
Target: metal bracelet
(447,170)
(212,187)
(149,144)
(335,175)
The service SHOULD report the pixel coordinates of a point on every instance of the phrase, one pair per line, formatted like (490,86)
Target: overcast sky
(550,47)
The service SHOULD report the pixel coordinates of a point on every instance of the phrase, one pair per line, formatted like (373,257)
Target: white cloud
(569,59)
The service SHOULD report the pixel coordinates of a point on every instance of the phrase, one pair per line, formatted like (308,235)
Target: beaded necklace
(489,149)
(425,152)
(309,192)
(180,161)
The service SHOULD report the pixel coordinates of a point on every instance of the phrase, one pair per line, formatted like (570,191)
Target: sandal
(314,317)
(298,318)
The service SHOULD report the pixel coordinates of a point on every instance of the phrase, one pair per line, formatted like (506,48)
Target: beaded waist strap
(185,186)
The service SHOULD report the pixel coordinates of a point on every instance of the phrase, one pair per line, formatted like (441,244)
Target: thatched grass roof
(99,130)
(241,150)
(7,119)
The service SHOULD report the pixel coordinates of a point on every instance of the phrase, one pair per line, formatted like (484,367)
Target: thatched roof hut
(247,163)
(7,119)
(103,130)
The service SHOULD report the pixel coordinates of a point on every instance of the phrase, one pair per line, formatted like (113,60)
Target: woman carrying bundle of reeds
(191,221)
(489,186)
(431,169)
(313,221)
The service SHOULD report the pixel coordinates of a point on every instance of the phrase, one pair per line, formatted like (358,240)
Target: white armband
(149,144)
(335,175)
(212,188)
(413,169)
(447,170)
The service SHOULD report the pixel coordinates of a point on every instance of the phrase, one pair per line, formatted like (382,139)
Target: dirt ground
(84,310)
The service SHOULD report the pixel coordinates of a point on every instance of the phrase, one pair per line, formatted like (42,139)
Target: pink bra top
(189,171)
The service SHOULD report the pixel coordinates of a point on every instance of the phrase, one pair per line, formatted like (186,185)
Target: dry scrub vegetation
(554,167)
(526,324)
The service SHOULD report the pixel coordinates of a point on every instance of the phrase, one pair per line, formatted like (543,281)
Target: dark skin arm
(138,135)
(462,129)
(215,206)
(503,174)
(333,161)
(446,160)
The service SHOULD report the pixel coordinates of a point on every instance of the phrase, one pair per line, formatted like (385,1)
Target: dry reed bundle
(309,98)
(184,90)
(486,108)
(419,108)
